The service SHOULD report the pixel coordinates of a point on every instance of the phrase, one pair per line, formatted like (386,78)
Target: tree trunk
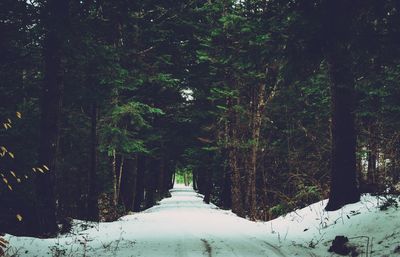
(256,127)
(237,204)
(115,177)
(208,180)
(120,174)
(194,175)
(54,14)
(226,188)
(151,183)
(161,174)
(201,180)
(172,182)
(92,200)
(344,188)
(139,195)
(169,176)
(265,202)
(207,187)
(185,179)
(134,186)
(373,142)
(372,158)
(338,21)
(128,183)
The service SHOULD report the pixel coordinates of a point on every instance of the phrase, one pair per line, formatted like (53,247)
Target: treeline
(271,105)
(98,85)
(302,103)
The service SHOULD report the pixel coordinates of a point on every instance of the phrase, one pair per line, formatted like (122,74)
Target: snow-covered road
(185,226)
(179,226)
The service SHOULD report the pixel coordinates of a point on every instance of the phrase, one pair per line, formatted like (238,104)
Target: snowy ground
(371,231)
(183,226)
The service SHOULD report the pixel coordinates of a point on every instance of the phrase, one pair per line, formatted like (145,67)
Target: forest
(265,106)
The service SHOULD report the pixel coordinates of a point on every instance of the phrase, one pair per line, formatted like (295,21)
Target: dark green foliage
(221,89)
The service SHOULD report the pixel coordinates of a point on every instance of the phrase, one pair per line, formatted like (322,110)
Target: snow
(374,232)
(183,226)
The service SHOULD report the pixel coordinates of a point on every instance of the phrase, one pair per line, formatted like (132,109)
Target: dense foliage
(245,98)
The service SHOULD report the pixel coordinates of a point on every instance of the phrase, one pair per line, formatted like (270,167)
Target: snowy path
(183,226)
(180,226)
(188,227)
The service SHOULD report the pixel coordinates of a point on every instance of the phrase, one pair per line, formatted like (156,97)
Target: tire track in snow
(208,247)
(242,245)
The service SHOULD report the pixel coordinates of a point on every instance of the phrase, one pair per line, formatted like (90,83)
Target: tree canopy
(265,106)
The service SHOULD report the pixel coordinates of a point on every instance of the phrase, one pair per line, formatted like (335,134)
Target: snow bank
(373,231)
